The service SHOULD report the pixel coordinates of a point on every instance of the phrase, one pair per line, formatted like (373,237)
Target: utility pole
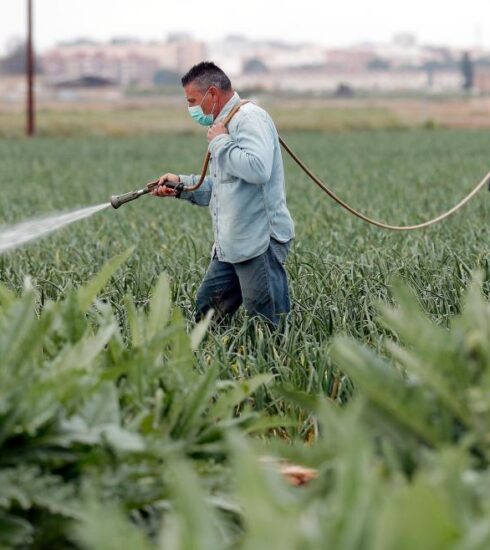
(30,127)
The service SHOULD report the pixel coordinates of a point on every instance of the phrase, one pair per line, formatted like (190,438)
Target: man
(246,197)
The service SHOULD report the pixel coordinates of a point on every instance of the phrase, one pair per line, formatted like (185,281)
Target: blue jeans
(259,283)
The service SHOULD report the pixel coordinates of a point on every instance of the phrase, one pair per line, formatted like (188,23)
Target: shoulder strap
(234,111)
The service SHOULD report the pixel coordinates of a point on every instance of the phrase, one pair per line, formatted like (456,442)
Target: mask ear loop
(203,97)
(214,104)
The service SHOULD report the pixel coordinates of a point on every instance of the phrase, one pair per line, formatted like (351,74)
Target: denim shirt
(245,188)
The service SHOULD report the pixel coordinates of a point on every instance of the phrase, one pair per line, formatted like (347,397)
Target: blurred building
(234,53)
(399,65)
(330,81)
(396,66)
(123,62)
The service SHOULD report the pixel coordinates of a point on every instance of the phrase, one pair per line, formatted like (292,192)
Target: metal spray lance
(118,200)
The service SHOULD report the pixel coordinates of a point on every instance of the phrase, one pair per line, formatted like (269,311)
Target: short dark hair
(206,74)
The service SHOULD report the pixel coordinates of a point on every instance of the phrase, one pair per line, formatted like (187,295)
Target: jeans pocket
(280,250)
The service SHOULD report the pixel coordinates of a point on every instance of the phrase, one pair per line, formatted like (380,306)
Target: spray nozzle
(118,200)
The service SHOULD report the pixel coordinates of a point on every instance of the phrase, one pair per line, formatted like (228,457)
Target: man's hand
(162,190)
(216,129)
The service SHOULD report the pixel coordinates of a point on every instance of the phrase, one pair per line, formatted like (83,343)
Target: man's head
(207,85)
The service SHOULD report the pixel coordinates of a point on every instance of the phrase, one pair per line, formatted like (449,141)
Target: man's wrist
(178,189)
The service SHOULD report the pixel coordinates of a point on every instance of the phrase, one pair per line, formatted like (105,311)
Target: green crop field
(115,434)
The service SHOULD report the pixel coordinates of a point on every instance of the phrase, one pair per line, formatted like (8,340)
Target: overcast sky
(333,23)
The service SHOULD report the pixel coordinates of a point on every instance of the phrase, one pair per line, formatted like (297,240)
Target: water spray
(14,236)
(30,230)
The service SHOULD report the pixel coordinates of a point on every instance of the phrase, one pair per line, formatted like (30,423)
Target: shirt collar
(228,106)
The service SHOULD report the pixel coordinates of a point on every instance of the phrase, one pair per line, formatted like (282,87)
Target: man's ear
(214,92)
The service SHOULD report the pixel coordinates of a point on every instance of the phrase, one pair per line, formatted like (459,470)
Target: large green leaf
(193,524)
(159,307)
(387,390)
(106,527)
(88,293)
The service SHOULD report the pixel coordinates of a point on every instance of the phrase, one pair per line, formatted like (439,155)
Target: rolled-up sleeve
(249,155)
(200,196)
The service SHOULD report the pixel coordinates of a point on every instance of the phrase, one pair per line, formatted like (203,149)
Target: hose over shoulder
(337,199)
